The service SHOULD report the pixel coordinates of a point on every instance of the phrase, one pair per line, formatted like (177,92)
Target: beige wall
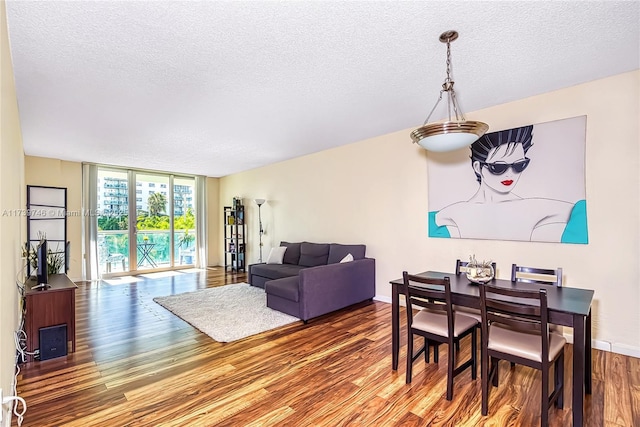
(12,199)
(375,192)
(59,173)
(213,221)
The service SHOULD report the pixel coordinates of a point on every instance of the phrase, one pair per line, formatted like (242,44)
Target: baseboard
(382,299)
(623,349)
(627,350)
(597,344)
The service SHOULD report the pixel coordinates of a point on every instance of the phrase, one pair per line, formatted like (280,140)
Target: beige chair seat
(436,323)
(469,312)
(522,344)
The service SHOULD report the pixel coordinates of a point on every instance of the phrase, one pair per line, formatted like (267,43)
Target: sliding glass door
(153,221)
(113,221)
(146,221)
(184,221)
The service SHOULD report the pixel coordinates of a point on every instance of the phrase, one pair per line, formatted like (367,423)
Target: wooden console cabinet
(53,306)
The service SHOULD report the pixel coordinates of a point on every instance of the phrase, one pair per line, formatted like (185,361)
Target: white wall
(60,173)
(12,227)
(375,192)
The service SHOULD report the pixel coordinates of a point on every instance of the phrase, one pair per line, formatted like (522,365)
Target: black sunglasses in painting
(500,168)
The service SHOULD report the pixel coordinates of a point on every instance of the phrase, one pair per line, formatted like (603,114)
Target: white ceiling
(218,87)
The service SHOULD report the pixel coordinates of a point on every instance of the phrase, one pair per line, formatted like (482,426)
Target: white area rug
(226,313)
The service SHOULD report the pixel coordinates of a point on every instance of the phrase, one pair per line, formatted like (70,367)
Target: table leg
(395,327)
(588,356)
(72,321)
(579,368)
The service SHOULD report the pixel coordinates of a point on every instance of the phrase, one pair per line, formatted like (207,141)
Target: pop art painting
(525,184)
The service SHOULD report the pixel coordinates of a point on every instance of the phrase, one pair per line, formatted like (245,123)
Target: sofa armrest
(326,288)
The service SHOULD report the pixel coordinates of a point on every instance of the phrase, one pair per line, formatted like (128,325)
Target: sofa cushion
(286,288)
(347,258)
(276,255)
(275,271)
(337,252)
(314,254)
(292,255)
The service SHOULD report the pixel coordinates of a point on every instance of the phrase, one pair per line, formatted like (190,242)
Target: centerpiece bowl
(479,272)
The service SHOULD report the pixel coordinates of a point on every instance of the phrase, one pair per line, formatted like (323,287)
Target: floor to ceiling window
(146,221)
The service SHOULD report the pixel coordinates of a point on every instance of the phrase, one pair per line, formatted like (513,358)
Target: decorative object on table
(479,272)
(260,202)
(47,216)
(41,254)
(451,134)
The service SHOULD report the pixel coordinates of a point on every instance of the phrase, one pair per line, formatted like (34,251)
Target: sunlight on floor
(123,280)
(192,270)
(161,274)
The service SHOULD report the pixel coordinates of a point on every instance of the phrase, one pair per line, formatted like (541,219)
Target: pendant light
(451,134)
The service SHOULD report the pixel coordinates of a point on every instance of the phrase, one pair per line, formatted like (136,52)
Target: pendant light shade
(456,132)
(448,136)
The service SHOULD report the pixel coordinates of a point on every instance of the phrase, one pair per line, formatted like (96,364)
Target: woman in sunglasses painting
(496,211)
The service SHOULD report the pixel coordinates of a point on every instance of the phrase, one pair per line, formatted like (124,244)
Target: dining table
(568,306)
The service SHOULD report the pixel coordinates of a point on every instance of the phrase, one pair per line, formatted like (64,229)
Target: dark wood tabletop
(564,299)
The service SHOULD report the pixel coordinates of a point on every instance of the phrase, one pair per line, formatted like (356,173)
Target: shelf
(234,236)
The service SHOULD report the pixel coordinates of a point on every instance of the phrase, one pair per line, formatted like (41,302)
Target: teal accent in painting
(434,230)
(576,229)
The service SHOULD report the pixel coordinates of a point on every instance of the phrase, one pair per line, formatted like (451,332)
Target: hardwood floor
(137,364)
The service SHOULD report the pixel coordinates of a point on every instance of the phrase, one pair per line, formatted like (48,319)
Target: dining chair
(543,276)
(438,323)
(540,276)
(515,328)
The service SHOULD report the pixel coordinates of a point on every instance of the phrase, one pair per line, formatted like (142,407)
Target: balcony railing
(113,250)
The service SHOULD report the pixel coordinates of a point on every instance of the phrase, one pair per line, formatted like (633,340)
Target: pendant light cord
(447,86)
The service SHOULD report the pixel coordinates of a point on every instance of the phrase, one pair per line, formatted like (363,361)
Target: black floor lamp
(260,202)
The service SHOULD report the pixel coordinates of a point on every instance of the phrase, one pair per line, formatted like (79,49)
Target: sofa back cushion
(292,254)
(338,251)
(313,254)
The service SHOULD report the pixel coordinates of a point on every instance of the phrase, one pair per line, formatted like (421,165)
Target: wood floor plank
(137,364)
(617,403)
(633,370)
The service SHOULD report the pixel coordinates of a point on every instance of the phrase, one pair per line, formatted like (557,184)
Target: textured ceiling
(215,88)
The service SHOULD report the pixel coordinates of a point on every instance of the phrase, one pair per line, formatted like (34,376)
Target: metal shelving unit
(234,238)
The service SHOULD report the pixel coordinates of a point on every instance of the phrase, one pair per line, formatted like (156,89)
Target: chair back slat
(541,276)
(516,322)
(430,293)
(433,305)
(506,307)
(524,310)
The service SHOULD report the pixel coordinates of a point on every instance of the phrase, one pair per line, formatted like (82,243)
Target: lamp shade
(448,136)
(260,202)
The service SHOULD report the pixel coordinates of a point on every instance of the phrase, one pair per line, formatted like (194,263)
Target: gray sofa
(311,281)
